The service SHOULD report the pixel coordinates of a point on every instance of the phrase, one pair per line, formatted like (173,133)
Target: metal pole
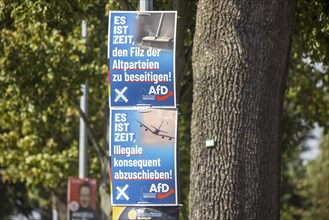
(83,139)
(54,215)
(146,5)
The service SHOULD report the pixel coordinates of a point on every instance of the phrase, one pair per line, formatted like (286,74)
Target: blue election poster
(143,156)
(141,58)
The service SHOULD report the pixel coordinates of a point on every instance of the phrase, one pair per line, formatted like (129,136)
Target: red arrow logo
(164,97)
(165,195)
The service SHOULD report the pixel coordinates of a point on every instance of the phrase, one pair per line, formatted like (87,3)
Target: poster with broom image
(141,58)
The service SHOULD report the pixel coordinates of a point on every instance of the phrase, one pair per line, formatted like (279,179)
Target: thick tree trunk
(240,59)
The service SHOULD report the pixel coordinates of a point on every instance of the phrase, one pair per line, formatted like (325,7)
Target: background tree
(240,61)
(43,61)
(313,188)
(306,98)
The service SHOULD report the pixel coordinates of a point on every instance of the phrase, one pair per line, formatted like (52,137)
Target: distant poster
(141,53)
(81,199)
(143,156)
(150,213)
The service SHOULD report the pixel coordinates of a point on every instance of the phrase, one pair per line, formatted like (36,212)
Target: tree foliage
(43,61)
(313,186)
(307,95)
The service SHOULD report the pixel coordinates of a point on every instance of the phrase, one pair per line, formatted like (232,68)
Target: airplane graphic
(155,131)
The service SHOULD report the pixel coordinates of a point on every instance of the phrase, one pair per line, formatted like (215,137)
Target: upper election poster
(143,156)
(141,53)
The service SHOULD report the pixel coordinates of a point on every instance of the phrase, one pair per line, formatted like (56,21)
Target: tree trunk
(105,202)
(58,203)
(104,192)
(240,61)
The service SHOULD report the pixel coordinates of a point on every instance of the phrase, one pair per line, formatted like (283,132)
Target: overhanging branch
(100,152)
(125,5)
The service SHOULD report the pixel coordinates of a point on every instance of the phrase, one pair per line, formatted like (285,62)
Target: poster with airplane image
(143,156)
(141,58)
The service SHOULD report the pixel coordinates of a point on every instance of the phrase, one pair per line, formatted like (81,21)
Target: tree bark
(104,191)
(240,59)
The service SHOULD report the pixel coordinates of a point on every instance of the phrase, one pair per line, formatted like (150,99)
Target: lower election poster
(143,156)
(81,199)
(149,213)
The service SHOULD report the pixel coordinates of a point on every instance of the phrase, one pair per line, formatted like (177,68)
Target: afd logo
(161,92)
(162,190)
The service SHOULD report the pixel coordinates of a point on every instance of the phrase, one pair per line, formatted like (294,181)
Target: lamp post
(146,5)
(83,139)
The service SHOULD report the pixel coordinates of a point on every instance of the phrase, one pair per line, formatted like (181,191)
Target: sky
(312,144)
